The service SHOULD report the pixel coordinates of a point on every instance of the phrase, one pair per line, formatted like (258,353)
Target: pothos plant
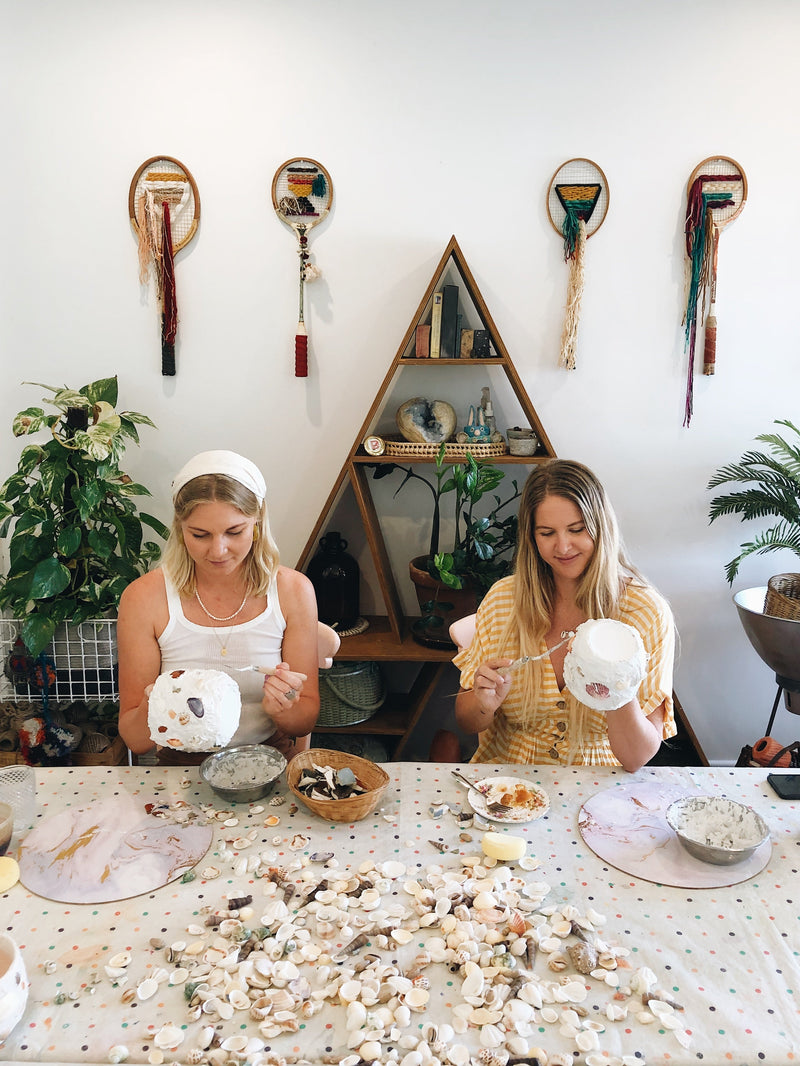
(76,534)
(483,541)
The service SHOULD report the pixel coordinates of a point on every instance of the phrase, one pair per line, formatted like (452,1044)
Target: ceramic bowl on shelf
(243,774)
(716,829)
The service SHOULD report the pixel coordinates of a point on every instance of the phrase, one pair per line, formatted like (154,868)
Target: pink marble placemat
(626,826)
(112,850)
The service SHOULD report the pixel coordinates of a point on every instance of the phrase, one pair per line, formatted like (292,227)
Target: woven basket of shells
(371,782)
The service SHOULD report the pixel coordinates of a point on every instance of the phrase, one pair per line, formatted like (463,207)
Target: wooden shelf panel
(381,645)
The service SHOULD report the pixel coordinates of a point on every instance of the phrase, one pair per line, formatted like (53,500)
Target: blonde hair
(263,559)
(599,590)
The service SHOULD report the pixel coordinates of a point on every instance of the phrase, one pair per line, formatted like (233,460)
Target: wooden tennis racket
(715,196)
(302,194)
(577,203)
(164,209)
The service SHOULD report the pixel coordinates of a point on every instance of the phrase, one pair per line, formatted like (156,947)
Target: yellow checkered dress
(504,741)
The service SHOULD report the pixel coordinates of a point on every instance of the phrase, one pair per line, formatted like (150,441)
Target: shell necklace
(223,643)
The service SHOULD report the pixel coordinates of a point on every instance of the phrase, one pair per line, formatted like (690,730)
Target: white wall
(434,117)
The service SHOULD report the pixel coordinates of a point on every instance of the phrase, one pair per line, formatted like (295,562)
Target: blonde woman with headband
(220,601)
(570,567)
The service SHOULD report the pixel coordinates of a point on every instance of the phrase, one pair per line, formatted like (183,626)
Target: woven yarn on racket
(350,693)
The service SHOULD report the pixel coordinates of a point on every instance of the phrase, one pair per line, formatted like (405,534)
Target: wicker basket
(368,774)
(397,446)
(783,596)
(350,693)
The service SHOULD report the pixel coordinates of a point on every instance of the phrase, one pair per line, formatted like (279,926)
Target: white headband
(220,462)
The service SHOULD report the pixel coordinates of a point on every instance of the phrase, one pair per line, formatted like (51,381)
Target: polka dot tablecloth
(728,957)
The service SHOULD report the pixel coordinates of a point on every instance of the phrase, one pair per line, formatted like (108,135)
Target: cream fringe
(569,336)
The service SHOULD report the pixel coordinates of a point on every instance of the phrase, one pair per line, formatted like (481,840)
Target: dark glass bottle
(335,577)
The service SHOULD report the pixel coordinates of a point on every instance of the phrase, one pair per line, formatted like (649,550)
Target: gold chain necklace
(223,643)
(227,618)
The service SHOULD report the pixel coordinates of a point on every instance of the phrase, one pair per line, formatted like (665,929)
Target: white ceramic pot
(14,986)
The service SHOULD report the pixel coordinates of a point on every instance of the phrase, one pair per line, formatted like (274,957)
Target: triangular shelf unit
(474,313)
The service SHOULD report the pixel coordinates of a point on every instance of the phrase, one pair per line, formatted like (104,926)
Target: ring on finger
(290,693)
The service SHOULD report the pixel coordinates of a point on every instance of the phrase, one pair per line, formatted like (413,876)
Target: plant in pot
(770,483)
(451,583)
(76,536)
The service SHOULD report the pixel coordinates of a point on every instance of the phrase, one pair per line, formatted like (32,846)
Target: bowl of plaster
(243,774)
(716,829)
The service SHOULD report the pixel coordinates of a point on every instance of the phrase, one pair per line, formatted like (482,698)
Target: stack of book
(443,337)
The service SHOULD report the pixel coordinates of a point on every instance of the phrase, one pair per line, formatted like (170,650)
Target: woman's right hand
(490,686)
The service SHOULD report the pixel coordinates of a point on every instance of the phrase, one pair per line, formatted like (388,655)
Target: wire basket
(83,657)
(368,774)
(350,693)
(783,597)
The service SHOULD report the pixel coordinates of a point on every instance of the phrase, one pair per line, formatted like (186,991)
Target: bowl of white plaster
(716,829)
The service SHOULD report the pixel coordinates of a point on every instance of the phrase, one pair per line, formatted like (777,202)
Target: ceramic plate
(528,801)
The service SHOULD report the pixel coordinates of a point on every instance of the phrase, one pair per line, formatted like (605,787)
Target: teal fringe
(320,186)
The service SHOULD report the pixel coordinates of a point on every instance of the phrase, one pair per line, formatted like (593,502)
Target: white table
(730,956)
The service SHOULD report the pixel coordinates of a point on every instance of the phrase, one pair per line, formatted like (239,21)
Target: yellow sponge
(503,847)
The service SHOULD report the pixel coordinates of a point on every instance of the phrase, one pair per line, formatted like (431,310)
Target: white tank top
(186,645)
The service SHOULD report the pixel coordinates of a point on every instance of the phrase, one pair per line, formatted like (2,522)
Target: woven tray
(397,446)
(783,596)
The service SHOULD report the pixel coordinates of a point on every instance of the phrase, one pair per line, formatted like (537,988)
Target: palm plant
(773,490)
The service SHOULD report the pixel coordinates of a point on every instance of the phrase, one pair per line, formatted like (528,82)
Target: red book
(423,342)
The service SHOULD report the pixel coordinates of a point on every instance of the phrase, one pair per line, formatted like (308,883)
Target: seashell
(147,988)
(299,841)
(118,1053)
(194,1056)
(583,956)
(492,1036)
(587,1040)
(169,1037)
(178,976)
(209,873)
(458,1055)
(416,999)
(240,843)
(237,1044)
(120,960)
(206,1036)
(401,936)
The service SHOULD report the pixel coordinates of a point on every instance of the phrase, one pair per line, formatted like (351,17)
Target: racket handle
(710,352)
(301,353)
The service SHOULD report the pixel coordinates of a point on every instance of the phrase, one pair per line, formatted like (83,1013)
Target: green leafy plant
(76,535)
(772,481)
(483,543)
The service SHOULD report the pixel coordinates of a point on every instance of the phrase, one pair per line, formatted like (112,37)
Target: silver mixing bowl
(243,774)
(716,829)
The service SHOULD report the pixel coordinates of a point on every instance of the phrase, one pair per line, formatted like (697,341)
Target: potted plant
(771,489)
(76,535)
(451,583)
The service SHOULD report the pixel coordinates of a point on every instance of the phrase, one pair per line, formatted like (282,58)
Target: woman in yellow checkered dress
(570,567)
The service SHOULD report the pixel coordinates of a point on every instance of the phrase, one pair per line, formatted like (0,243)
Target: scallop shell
(169,1037)
(120,960)
(210,872)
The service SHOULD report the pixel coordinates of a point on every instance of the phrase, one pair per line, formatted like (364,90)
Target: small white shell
(209,873)
(147,988)
(120,960)
(169,1037)
(118,1053)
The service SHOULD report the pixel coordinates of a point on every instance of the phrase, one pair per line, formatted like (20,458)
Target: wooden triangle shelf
(389,635)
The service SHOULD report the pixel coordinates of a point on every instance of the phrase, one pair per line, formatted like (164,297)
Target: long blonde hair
(263,559)
(600,587)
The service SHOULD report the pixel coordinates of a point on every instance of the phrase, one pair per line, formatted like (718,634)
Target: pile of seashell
(373,946)
(326,783)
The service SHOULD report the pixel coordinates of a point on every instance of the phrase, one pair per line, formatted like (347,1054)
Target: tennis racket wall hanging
(577,203)
(302,194)
(164,209)
(715,196)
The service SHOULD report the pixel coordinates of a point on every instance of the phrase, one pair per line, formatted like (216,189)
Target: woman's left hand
(282,690)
